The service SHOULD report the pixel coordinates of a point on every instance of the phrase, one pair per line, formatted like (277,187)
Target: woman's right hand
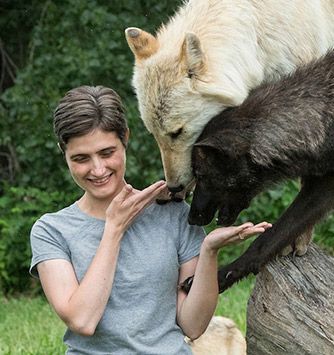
(124,208)
(223,236)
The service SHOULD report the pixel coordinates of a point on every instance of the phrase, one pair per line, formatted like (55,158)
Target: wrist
(208,249)
(113,231)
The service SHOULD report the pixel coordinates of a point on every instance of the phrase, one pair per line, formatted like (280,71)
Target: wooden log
(291,309)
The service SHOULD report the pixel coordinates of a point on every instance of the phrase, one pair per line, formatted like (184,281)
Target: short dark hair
(86,108)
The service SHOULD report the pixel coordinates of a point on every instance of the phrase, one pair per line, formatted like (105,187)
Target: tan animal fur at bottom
(222,337)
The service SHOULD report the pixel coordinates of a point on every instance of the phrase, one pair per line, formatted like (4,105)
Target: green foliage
(233,302)
(64,44)
(20,207)
(73,43)
(29,327)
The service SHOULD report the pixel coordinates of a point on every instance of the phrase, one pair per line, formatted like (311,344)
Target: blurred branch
(9,165)
(43,13)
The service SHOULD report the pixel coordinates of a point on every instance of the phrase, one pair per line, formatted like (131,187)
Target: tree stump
(291,309)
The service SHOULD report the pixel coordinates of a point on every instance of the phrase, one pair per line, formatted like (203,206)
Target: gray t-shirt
(140,316)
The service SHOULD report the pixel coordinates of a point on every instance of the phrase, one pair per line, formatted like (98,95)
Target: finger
(241,237)
(264,225)
(125,192)
(250,232)
(237,238)
(148,194)
(227,235)
(164,195)
(159,185)
(242,228)
(258,228)
(245,226)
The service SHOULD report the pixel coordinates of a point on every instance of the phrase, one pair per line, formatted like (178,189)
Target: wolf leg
(314,201)
(301,244)
(303,241)
(299,247)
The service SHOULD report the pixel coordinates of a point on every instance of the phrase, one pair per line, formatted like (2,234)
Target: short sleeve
(46,244)
(191,238)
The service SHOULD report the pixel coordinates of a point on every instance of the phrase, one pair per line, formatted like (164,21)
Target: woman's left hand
(221,237)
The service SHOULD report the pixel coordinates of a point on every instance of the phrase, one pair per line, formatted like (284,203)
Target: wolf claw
(228,274)
(186,284)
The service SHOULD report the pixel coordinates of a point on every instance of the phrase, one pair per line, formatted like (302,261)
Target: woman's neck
(96,207)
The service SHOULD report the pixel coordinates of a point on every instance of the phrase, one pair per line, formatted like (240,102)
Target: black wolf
(283,130)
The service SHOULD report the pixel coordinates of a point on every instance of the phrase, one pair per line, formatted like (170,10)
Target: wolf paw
(230,274)
(186,284)
(227,277)
(300,246)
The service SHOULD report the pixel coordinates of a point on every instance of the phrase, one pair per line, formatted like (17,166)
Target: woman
(111,262)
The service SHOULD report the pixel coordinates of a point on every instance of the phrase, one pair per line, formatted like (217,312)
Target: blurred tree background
(46,48)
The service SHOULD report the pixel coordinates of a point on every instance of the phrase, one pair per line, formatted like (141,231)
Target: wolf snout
(175,189)
(198,220)
(226,217)
(177,193)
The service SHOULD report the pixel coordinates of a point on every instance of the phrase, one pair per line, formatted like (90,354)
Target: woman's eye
(80,160)
(107,154)
(175,134)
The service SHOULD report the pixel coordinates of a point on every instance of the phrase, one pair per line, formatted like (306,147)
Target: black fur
(283,130)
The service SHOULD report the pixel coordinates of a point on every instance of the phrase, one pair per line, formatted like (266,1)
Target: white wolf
(208,57)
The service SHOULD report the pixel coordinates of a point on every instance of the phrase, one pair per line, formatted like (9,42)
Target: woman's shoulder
(66,212)
(64,217)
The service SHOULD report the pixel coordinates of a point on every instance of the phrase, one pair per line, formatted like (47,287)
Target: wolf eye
(199,175)
(175,134)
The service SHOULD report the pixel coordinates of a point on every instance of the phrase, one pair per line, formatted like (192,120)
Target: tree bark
(291,309)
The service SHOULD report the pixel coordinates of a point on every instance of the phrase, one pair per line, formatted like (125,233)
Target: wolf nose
(176,189)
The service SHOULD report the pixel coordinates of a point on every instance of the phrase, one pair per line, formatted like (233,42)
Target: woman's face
(97,163)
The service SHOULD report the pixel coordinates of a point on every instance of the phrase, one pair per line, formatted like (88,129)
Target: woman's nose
(98,167)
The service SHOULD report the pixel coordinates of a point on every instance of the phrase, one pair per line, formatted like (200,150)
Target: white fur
(222,337)
(243,42)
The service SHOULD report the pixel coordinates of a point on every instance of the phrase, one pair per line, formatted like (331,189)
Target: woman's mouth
(100,181)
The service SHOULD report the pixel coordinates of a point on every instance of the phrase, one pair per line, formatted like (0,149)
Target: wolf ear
(193,55)
(232,146)
(229,96)
(196,64)
(141,43)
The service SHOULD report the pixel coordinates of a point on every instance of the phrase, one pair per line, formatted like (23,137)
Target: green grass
(233,302)
(28,326)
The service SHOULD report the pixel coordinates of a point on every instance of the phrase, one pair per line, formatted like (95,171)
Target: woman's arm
(81,306)
(196,309)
